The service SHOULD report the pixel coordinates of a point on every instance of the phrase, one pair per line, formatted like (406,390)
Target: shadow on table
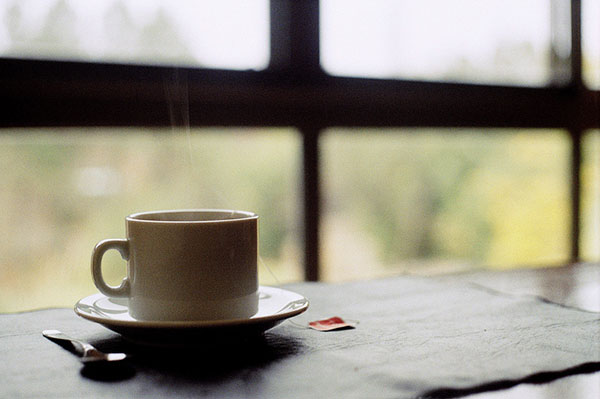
(109,372)
(537,378)
(215,359)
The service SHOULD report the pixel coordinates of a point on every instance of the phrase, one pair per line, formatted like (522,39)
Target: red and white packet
(333,323)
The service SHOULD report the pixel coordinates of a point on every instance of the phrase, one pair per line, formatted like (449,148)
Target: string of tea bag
(262,263)
(278,282)
(352,323)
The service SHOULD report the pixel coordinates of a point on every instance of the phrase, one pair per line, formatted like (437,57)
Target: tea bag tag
(333,323)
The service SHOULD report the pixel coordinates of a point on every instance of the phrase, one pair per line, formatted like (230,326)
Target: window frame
(294,92)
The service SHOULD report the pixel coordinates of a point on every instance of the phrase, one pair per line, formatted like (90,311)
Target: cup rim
(242,215)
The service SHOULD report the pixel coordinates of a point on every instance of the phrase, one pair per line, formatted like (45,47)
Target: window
(432,200)
(66,189)
(276,86)
(506,42)
(591,42)
(590,172)
(230,34)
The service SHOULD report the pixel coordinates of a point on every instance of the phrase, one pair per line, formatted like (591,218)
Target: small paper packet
(333,323)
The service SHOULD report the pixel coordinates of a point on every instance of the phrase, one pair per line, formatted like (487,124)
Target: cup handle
(121,245)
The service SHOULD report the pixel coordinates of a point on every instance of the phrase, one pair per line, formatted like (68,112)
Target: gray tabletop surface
(416,337)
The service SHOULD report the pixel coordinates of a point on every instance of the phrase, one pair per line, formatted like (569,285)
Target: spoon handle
(79,347)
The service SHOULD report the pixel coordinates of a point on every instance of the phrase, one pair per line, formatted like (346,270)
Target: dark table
(486,334)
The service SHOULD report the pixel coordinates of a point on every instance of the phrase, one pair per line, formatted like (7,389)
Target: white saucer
(274,306)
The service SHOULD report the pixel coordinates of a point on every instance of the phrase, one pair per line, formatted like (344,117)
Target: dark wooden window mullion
(295,54)
(576,49)
(312,201)
(295,37)
(575,195)
(576,132)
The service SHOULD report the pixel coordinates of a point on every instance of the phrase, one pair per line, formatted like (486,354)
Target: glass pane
(590,42)
(590,181)
(429,201)
(230,34)
(64,190)
(494,41)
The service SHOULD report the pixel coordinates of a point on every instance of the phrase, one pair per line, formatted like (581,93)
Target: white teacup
(186,265)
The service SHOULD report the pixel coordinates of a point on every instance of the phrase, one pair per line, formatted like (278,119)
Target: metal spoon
(87,353)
